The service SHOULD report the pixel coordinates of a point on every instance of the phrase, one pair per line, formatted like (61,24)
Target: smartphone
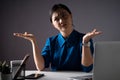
(34,76)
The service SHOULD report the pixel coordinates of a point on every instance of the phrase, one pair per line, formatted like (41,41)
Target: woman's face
(62,20)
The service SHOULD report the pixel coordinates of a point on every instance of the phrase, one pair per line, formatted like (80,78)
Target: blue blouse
(65,54)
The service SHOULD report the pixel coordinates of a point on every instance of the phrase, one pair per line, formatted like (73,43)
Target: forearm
(87,58)
(38,58)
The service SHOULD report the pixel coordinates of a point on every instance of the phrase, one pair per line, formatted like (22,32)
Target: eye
(64,15)
(56,19)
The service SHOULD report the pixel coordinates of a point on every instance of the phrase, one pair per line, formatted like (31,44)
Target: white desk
(58,75)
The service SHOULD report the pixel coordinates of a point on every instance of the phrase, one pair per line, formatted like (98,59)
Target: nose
(61,21)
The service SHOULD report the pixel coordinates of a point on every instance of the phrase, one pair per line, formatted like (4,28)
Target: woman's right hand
(39,60)
(25,35)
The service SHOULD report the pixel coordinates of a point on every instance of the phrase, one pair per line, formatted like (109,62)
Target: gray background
(33,16)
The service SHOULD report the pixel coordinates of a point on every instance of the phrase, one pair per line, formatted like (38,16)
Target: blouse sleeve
(46,53)
(89,68)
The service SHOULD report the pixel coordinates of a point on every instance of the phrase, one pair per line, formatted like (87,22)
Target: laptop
(107,61)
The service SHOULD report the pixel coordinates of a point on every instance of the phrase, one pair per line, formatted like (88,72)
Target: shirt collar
(61,40)
(70,40)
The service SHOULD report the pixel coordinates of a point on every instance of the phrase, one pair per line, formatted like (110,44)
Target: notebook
(107,61)
(16,77)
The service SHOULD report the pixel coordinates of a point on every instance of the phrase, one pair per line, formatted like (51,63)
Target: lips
(63,25)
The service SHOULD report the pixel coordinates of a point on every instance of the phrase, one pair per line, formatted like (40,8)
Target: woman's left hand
(90,35)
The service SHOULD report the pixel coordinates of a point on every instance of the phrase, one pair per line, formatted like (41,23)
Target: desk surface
(58,75)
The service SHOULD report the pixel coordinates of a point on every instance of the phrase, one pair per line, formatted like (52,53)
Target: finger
(94,30)
(14,34)
(17,34)
(100,32)
(25,33)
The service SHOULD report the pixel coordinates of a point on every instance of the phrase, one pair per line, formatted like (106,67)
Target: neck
(66,34)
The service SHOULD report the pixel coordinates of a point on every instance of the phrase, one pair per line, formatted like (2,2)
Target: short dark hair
(58,6)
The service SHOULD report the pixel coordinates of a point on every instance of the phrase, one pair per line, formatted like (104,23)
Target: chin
(64,29)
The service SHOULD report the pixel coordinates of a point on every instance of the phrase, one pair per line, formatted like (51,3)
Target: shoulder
(78,34)
(52,38)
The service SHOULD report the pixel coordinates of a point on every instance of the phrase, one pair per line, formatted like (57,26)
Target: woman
(68,50)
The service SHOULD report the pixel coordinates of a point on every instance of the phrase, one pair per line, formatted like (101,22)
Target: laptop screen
(106,61)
